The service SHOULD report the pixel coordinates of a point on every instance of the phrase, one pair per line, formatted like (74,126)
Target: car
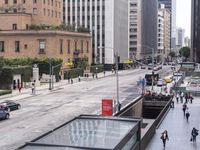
(150,66)
(143,67)
(2,106)
(4,114)
(161,82)
(168,79)
(11,105)
(155,68)
(165,63)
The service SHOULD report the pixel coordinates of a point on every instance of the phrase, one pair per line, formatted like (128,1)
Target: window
(44,12)
(61,46)
(14,1)
(1,46)
(34,1)
(52,13)
(68,49)
(24,1)
(44,1)
(75,45)
(51,2)
(34,11)
(25,46)
(42,46)
(6,1)
(27,26)
(48,12)
(17,46)
(14,26)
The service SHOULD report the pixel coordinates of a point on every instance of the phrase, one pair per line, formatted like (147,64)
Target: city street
(47,110)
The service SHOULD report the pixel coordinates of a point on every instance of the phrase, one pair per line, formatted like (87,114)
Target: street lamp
(53,67)
(117,76)
(50,68)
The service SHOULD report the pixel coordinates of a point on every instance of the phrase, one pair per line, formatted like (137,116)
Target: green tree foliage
(1,64)
(172,54)
(185,52)
(83,62)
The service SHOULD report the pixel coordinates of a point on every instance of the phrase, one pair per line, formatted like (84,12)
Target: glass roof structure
(85,132)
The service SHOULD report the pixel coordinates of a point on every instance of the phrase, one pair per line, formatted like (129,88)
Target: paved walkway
(179,130)
(26,92)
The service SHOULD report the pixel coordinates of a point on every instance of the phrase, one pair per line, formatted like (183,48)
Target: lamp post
(117,76)
(53,67)
(50,69)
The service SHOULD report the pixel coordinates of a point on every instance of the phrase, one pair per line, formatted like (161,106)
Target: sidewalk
(179,130)
(26,92)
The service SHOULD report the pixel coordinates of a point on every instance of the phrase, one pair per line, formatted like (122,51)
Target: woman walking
(194,134)
(164,137)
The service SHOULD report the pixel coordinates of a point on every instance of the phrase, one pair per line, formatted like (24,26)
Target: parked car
(161,82)
(4,114)
(11,105)
(150,66)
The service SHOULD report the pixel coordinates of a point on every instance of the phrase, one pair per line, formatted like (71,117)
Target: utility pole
(50,65)
(152,67)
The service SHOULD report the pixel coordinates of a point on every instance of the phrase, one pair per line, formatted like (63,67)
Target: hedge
(93,68)
(73,73)
(4,92)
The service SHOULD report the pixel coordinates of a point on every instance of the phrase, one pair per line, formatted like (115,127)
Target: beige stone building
(17,40)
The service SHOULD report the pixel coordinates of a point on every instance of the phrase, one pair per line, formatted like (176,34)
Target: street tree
(185,52)
(172,54)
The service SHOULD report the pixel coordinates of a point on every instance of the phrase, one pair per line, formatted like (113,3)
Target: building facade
(23,13)
(195,31)
(68,46)
(18,39)
(171,6)
(143,28)
(107,21)
(180,36)
(164,31)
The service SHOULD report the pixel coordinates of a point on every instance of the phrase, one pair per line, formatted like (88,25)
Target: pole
(50,75)
(117,63)
(152,67)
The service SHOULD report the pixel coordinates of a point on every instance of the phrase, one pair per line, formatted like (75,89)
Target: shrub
(73,73)
(4,92)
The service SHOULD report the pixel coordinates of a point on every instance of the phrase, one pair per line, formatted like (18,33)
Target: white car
(161,82)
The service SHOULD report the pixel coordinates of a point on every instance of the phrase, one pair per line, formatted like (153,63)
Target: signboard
(107,107)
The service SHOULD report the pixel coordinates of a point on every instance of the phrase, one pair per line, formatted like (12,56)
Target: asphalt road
(48,110)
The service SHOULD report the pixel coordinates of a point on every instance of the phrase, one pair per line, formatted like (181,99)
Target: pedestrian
(194,134)
(87,75)
(164,137)
(96,76)
(104,73)
(184,108)
(93,75)
(68,79)
(187,114)
(32,87)
(71,81)
(186,98)
(181,97)
(19,88)
(191,98)
(79,79)
(112,70)
(177,97)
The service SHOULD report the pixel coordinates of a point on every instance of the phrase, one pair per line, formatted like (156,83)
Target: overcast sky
(183,15)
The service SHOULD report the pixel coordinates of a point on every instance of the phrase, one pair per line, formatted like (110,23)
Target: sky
(183,15)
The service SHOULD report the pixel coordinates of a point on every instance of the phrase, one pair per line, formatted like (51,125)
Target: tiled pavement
(178,129)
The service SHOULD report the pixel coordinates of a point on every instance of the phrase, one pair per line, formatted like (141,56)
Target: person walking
(79,78)
(68,79)
(32,88)
(187,115)
(186,98)
(164,137)
(71,81)
(177,97)
(194,134)
(181,97)
(184,108)
(190,98)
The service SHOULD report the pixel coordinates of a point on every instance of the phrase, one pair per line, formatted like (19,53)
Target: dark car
(143,67)
(4,114)
(6,108)
(11,105)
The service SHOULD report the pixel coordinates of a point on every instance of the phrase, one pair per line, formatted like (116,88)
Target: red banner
(107,107)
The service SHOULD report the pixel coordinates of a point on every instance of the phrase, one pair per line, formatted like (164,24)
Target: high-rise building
(171,5)
(180,36)
(187,42)
(143,28)
(195,31)
(160,33)
(107,21)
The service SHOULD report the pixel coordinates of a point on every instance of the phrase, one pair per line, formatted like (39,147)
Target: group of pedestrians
(188,98)
(180,96)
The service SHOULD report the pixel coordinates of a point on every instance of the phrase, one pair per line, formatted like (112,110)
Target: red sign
(107,107)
